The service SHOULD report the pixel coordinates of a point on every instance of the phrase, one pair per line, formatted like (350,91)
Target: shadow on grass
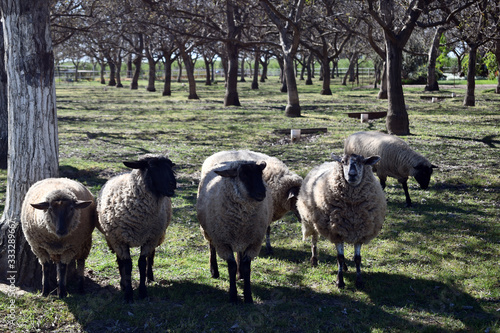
(394,302)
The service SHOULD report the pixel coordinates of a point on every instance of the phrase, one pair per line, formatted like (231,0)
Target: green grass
(433,268)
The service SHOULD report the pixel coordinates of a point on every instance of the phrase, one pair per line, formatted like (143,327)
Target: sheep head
(422,174)
(60,206)
(354,166)
(250,175)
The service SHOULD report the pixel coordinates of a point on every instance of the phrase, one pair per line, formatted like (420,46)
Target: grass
(433,268)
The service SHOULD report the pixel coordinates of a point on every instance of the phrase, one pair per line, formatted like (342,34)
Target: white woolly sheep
(58,216)
(397,159)
(343,202)
(134,210)
(284,184)
(234,208)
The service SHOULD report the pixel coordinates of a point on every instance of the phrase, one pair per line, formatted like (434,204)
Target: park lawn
(433,268)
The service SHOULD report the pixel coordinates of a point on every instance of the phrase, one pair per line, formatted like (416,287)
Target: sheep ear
(41,205)
(80,204)
(372,160)
(293,192)
(136,164)
(262,165)
(227,172)
(336,158)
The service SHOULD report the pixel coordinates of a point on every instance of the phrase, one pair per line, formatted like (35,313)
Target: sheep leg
(382,182)
(125,268)
(269,249)
(143,293)
(245,270)
(341,263)
(214,268)
(46,279)
(81,277)
(357,261)
(314,250)
(404,182)
(150,260)
(61,280)
(232,268)
(239,275)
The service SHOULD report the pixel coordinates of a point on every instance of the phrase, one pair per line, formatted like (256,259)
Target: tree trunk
(263,76)
(129,67)
(188,63)
(137,72)
(167,91)
(103,67)
(397,121)
(242,70)
(118,74)
(255,81)
(432,84)
(497,54)
(309,80)
(4,133)
(208,81)
(112,73)
(470,99)
(152,75)
(382,93)
(33,141)
(231,96)
(293,107)
(326,76)
(179,75)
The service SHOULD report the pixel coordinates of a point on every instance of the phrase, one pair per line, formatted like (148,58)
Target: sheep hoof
(341,284)
(215,274)
(143,292)
(269,251)
(129,295)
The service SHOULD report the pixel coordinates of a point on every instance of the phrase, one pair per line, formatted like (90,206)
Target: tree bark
(255,80)
(137,72)
(188,63)
(470,99)
(293,107)
(103,67)
(33,140)
(231,96)
(208,80)
(118,70)
(4,133)
(152,75)
(326,76)
(497,54)
(432,84)
(397,121)
(382,93)
(112,73)
(167,90)
(309,80)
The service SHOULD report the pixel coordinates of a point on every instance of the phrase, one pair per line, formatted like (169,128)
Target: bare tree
(432,84)
(3,107)
(33,141)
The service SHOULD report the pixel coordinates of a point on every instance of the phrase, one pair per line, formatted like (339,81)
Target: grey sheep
(234,208)
(134,210)
(397,159)
(283,183)
(343,202)
(58,216)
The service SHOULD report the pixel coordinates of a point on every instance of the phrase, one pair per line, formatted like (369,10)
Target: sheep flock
(239,194)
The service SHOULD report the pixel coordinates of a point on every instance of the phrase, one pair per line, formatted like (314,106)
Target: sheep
(58,216)
(134,210)
(234,208)
(283,183)
(343,202)
(397,159)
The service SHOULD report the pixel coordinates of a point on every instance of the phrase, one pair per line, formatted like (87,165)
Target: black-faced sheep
(397,159)
(58,217)
(234,208)
(284,184)
(343,202)
(135,210)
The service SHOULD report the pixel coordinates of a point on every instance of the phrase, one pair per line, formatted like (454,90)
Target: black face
(423,175)
(160,176)
(251,177)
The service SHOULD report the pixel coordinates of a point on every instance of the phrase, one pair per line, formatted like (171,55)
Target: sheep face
(61,208)
(422,174)
(158,174)
(250,175)
(354,166)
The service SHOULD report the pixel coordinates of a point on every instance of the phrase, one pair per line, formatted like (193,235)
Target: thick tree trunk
(33,141)
(263,76)
(470,99)
(129,67)
(432,84)
(112,74)
(242,70)
(397,121)
(309,80)
(231,96)
(137,72)
(118,74)
(4,133)
(293,107)
(497,54)
(326,77)
(103,67)
(152,75)
(188,63)
(167,91)
(255,81)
